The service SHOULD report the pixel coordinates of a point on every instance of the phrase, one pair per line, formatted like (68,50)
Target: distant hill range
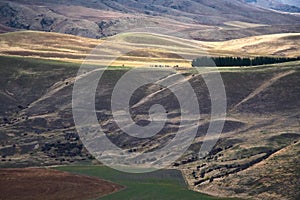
(281,5)
(202,20)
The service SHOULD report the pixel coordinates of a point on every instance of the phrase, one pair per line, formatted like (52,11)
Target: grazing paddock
(162,184)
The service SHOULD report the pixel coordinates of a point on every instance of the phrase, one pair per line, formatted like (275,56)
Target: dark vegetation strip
(206,61)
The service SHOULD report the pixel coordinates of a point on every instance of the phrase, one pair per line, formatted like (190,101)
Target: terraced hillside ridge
(144,49)
(262,124)
(202,20)
(38,183)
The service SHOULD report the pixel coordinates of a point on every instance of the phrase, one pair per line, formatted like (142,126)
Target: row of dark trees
(238,61)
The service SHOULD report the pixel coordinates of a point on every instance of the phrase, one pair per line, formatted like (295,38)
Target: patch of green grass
(163,184)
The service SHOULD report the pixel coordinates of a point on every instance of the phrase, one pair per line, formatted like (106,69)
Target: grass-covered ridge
(262,122)
(138,49)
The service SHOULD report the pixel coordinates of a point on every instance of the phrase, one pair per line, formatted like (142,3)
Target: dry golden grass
(130,49)
(286,44)
(142,49)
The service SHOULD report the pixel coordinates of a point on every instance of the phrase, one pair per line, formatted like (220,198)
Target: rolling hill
(44,43)
(143,49)
(258,143)
(286,44)
(202,20)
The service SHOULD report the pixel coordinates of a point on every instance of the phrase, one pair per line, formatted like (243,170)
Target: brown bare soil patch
(37,183)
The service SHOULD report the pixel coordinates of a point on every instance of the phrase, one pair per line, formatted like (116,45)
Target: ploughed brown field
(37,183)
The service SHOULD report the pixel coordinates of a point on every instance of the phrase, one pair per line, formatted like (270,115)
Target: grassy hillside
(37,126)
(30,78)
(142,49)
(286,44)
(258,151)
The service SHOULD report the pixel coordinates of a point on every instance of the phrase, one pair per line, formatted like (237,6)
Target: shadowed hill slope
(37,128)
